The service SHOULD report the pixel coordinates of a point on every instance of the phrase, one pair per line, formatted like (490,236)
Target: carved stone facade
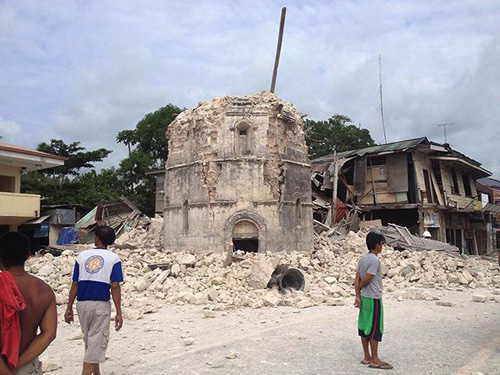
(238,172)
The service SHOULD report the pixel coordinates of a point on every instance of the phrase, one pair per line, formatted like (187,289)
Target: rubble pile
(412,269)
(154,278)
(150,236)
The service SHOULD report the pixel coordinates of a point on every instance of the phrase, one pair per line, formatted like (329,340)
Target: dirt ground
(420,338)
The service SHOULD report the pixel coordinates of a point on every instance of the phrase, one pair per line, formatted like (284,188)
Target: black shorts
(371,319)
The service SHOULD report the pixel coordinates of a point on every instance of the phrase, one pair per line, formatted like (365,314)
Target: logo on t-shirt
(94,264)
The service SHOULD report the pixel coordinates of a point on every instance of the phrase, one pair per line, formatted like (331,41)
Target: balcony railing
(19,205)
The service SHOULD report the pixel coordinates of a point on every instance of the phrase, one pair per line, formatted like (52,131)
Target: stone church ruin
(238,173)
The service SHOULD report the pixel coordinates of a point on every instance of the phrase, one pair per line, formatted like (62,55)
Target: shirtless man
(40,311)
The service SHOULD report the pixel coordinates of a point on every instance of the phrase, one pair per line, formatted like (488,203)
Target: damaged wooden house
(422,185)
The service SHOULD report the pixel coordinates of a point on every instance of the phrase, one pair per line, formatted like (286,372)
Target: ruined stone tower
(238,172)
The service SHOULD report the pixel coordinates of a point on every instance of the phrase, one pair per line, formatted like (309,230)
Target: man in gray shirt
(368,285)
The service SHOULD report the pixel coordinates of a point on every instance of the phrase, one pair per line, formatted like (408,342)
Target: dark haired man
(96,272)
(368,287)
(40,311)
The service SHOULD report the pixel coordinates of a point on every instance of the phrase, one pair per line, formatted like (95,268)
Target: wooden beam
(278,49)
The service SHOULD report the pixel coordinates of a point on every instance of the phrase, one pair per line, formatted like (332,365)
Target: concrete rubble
(154,278)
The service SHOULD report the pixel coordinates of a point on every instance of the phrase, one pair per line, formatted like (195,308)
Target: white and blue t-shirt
(95,270)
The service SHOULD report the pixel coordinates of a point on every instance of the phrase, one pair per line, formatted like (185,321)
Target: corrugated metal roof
(386,148)
(490,207)
(489,182)
(38,220)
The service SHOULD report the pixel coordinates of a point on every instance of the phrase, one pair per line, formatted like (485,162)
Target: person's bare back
(38,297)
(40,311)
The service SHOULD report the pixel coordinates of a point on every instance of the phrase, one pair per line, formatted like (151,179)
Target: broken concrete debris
(121,215)
(479,298)
(329,271)
(232,354)
(400,238)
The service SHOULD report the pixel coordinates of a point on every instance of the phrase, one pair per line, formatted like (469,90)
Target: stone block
(479,298)
(304,304)
(271,300)
(260,274)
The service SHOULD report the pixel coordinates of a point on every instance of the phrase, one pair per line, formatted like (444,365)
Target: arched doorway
(246,236)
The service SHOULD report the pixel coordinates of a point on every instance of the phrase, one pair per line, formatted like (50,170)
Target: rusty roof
(388,147)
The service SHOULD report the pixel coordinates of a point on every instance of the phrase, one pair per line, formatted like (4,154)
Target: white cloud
(10,131)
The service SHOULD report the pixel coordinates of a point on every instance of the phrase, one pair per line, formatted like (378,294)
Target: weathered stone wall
(233,159)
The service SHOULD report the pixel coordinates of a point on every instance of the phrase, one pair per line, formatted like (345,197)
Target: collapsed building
(416,183)
(489,191)
(238,174)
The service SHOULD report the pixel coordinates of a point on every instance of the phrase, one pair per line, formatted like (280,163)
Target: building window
(436,168)
(428,191)
(298,211)
(377,160)
(185,216)
(454,182)
(243,141)
(8,184)
(466,181)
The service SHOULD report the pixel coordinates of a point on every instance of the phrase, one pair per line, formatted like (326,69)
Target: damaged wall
(236,159)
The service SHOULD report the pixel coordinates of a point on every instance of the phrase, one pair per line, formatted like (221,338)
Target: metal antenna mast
(444,125)
(381,102)
(278,49)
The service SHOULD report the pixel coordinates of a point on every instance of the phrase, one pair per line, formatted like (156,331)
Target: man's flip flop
(364,363)
(383,366)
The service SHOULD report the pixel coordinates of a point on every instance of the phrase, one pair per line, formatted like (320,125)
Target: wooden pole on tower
(278,49)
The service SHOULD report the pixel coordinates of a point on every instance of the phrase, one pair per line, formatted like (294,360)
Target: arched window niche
(298,211)
(244,140)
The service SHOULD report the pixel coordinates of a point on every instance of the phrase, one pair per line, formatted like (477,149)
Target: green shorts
(371,319)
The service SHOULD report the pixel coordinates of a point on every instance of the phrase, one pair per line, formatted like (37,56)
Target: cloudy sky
(84,70)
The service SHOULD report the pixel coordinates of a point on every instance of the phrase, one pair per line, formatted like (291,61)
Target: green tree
(78,157)
(149,134)
(128,137)
(66,184)
(337,133)
(150,152)
(53,189)
(94,187)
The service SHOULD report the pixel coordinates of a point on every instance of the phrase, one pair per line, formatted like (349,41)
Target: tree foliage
(77,182)
(94,187)
(68,184)
(78,157)
(337,133)
(149,135)
(150,152)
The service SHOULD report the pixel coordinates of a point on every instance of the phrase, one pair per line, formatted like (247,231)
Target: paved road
(420,338)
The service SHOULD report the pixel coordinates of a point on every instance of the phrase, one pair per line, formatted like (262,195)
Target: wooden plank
(439,196)
(397,173)
(321,225)
(402,235)
(373,183)
(359,176)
